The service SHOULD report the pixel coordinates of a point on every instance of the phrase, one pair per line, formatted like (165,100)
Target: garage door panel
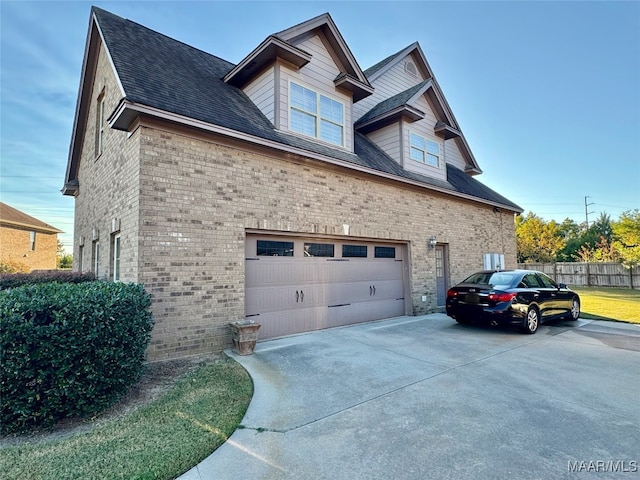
(277,324)
(295,294)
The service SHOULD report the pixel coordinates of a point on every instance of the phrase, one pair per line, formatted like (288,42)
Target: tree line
(605,240)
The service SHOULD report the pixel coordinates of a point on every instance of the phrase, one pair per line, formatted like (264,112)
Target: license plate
(472,298)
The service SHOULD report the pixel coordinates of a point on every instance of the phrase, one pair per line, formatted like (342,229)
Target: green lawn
(621,304)
(159,441)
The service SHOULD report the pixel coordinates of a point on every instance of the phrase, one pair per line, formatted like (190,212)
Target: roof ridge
(374,68)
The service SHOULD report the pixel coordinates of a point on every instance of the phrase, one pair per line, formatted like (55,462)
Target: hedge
(12,280)
(69,350)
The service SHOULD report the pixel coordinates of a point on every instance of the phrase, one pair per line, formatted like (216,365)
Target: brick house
(27,241)
(293,188)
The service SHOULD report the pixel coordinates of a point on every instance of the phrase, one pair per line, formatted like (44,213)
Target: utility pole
(586,212)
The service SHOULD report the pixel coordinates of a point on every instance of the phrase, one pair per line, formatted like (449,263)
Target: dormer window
(316,115)
(425,151)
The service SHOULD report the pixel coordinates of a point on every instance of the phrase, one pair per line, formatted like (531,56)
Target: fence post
(588,274)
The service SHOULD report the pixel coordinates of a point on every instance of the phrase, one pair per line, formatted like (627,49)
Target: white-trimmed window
(96,257)
(316,115)
(99,124)
(32,241)
(424,150)
(116,257)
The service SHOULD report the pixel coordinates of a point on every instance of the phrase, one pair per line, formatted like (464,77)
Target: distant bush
(12,266)
(69,349)
(12,280)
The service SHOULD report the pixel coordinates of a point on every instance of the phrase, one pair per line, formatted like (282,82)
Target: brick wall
(199,198)
(107,200)
(15,246)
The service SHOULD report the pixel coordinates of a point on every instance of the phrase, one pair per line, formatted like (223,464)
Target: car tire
(532,321)
(574,314)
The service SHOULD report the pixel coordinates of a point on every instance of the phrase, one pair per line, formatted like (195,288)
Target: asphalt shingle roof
(14,216)
(392,103)
(161,72)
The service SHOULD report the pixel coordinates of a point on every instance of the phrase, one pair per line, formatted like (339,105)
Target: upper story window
(316,115)
(425,151)
(32,241)
(99,124)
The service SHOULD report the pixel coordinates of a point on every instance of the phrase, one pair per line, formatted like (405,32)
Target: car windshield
(499,280)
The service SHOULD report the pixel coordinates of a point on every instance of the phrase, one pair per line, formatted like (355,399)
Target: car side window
(530,281)
(546,281)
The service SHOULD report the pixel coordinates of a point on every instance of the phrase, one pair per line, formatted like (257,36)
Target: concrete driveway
(425,398)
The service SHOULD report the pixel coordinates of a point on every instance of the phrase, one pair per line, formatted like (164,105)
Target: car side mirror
(562,285)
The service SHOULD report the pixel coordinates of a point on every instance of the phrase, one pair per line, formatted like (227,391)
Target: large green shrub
(12,280)
(69,349)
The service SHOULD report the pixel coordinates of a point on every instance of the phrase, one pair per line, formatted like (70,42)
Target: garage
(298,284)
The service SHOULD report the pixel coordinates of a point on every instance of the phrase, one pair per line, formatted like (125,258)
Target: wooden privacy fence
(589,274)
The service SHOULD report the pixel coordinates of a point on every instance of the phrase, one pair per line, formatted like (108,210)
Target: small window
(80,258)
(99,124)
(96,258)
(268,248)
(410,68)
(423,150)
(32,241)
(545,281)
(354,251)
(385,252)
(318,249)
(116,258)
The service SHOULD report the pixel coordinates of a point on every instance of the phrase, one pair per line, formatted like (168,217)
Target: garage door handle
(297,296)
(374,290)
(370,290)
(301,296)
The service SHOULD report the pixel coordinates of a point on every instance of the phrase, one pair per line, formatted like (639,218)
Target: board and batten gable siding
(261,91)
(317,75)
(388,139)
(424,128)
(109,186)
(390,83)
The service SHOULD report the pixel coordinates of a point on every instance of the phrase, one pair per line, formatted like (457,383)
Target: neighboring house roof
(13,217)
(163,77)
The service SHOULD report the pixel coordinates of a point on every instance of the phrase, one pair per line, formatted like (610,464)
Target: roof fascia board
(326,24)
(401,54)
(138,109)
(85,88)
(28,226)
(269,49)
(411,113)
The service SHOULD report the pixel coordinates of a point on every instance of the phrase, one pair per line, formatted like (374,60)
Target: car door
(552,303)
(536,293)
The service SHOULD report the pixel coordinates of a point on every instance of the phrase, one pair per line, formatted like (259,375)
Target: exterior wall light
(432,242)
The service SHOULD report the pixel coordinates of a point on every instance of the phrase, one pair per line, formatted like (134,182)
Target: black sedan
(524,298)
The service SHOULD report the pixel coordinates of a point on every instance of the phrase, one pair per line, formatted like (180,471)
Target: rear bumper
(498,315)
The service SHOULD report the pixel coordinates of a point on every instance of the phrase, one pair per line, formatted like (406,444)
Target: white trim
(116,257)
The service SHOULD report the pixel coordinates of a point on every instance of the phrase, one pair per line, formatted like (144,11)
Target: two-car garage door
(296,284)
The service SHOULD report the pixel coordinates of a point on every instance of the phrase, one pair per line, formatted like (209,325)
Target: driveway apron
(425,398)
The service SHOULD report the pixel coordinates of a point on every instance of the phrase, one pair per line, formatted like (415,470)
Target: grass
(619,304)
(158,441)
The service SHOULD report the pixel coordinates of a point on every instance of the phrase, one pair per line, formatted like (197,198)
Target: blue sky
(546,93)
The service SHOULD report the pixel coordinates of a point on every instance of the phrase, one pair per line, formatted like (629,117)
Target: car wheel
(575,309)
(532,321)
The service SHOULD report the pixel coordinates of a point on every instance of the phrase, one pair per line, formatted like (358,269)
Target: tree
(571,232)
(537,240)
(626,233)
